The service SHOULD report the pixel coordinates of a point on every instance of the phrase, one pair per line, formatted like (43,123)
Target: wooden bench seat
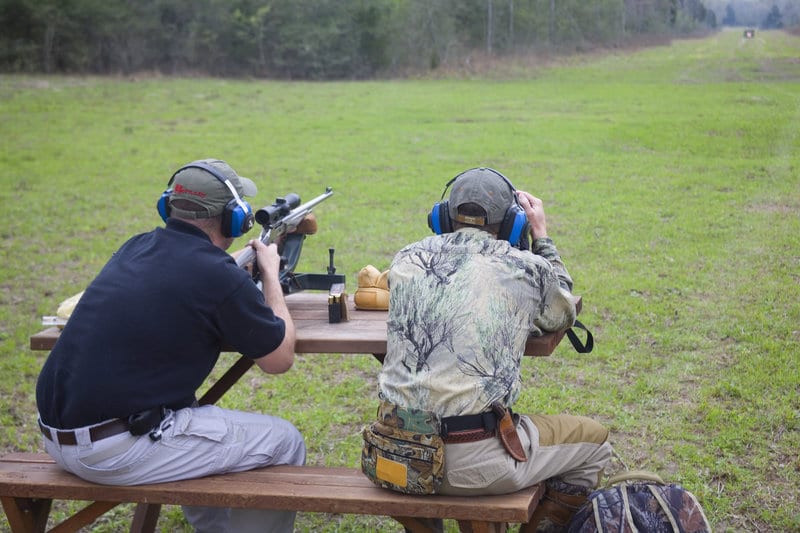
(29,483)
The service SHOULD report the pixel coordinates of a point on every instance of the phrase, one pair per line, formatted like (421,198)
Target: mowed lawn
(670,180)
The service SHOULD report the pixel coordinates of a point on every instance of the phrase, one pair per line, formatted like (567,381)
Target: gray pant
(198,442)
(572,448)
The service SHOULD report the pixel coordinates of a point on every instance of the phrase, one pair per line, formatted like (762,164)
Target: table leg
(227,381)
(145,517)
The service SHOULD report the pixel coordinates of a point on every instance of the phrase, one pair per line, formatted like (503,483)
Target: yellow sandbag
(373,289)
(67,306)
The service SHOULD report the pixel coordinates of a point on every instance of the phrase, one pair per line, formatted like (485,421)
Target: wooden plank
(84,517)
(481,527)
(226,381)
(45,340)
(353,337)
(420,525)
(364,333)
(304,488)
(145,518)
(29,516)
(26,457)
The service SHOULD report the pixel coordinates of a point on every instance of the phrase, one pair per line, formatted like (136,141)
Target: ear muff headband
(512,228)
(237,216)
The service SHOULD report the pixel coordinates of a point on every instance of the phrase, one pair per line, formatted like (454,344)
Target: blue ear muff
(237,217)
(514,226)
(439,218)
(163,204)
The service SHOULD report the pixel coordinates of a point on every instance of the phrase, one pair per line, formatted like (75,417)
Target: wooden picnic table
(363,333)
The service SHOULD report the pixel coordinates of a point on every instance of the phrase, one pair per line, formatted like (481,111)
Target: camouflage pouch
(403,451)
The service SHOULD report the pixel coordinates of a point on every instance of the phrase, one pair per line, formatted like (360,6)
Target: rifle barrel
(308,205)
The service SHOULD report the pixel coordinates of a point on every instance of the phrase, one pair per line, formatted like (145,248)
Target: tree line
(315,39)
(775,14)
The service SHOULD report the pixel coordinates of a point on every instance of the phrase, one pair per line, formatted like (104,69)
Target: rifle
(278,221)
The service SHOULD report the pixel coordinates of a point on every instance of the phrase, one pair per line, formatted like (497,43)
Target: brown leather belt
(471,435)
(500,422)
(96,433)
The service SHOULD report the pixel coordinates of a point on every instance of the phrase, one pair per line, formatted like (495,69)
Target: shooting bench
(29,483)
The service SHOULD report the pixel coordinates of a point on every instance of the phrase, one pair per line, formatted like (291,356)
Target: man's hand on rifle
(308,226)
(268,259)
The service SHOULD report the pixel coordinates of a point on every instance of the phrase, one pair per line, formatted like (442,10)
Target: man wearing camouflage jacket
(462,305)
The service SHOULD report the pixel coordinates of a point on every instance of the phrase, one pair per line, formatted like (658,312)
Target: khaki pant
(196,442)
(572,448)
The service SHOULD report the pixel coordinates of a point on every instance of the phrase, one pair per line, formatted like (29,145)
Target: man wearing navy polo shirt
(116,396)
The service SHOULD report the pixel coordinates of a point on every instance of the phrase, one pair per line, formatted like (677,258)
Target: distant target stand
(749,33)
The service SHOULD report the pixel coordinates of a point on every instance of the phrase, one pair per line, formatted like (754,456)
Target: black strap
(487,421)
(579,346)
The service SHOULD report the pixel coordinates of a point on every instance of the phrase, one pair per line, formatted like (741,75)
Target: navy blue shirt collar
(176,224)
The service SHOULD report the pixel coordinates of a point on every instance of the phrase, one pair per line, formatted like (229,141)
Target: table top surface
(364,332)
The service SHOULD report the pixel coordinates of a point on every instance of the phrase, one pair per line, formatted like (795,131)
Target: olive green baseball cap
(196,183)
(484,187)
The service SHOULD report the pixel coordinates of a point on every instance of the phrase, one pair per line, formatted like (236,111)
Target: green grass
(670,179)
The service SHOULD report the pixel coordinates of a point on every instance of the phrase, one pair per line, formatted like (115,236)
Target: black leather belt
(96,433)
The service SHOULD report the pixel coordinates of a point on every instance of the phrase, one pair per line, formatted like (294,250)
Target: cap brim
(248,187)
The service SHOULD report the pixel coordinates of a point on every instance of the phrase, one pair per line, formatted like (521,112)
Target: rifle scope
(269,215)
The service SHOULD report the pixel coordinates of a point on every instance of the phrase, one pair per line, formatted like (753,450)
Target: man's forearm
(273,296)
(282,358)
(545,247)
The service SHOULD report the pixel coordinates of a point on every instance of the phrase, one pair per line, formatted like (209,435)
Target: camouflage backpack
(640,501)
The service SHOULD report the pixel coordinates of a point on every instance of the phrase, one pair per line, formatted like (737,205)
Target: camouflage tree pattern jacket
(462,305)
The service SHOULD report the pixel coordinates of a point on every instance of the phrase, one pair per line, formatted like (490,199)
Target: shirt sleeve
(248,324)
(558,305)
(547,249)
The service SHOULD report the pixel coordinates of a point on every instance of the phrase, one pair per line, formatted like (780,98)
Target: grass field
(671,180)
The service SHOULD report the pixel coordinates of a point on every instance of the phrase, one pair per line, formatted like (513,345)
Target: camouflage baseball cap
(484,187)
(200,187)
